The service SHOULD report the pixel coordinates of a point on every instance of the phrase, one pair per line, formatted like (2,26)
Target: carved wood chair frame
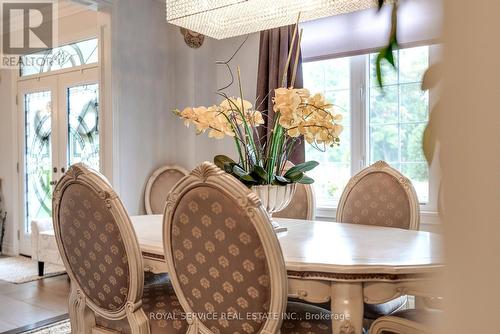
(209,175)
(82,309)
(404,182)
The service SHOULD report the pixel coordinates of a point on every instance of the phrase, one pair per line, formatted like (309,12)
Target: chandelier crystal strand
(221,19)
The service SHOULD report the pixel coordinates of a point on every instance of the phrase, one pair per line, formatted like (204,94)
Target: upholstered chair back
(223,255)
(380,195)
(159,185)
(97,244)
(303,203)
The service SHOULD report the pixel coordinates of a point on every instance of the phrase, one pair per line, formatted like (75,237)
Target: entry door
(59,126)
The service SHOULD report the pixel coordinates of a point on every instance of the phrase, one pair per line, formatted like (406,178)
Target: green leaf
(378,67)
(221,161)
(260,174)
(306,180)
(281,180)
(386,52)
(243,175)
(295,177)
(301,168)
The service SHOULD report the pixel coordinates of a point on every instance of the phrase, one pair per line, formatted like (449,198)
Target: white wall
(8,158)
(154,72)
(142,66)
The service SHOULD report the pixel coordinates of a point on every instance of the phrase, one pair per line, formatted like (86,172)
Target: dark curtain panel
(273,53)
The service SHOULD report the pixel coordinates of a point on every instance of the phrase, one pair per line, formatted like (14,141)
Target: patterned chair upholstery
(303,203)
(101,254)
(421,321)
(159,185)
(224,258)
(380,195)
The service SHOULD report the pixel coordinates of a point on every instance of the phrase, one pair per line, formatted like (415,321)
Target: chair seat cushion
(161,306)
(374,311)
(306,318)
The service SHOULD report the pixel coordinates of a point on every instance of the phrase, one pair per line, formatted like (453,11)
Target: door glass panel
(83,127)
(38,156)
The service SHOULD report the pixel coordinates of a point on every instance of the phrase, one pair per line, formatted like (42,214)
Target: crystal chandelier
(228,18)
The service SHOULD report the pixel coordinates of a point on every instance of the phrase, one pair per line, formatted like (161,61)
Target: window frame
(359,99)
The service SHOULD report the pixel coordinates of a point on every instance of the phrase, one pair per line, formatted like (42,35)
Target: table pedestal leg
(347,308)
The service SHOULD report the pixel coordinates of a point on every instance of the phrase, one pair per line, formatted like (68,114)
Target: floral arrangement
(262,159)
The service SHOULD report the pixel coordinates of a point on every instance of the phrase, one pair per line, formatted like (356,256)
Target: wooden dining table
(345,265)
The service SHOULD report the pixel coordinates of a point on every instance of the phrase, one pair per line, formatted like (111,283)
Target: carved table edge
(312,275)
(316,275)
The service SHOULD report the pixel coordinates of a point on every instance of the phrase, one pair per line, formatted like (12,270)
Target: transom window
(63,57)
(380,123)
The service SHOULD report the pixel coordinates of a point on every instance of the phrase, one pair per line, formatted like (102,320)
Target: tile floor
(28,303)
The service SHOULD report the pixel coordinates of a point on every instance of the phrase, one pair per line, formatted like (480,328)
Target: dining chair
(224,257)
(413,321)
(380,195)
(303,203)
(102,257)
(159,185)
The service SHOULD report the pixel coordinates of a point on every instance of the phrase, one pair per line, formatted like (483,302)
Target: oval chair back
(223,255)
(159,185)
(100,251)
(380,195)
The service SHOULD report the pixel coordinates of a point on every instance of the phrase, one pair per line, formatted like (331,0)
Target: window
(332,78)
(397,116)
(66,56)
(380,124)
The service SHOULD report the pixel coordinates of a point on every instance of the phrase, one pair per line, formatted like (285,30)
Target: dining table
(345,265)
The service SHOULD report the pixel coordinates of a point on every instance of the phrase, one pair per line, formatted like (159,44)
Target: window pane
(337,74)
(398,115)
(411,142)
(83,127)
(384,143)
(66,56)
(413,63)
(418,173)
(38,156)
(331,77)
(384,105)
(414,103)
(341,100)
